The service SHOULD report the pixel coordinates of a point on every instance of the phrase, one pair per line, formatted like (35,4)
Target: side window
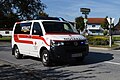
(23,28)
(37,29)
(67,28)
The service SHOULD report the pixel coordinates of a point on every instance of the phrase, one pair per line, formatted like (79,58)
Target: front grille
(74,43)
(75,49)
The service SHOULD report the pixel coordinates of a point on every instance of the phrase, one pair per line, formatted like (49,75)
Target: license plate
(77,55)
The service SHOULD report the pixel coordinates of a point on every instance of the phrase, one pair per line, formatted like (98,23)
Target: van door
(36,38)
(22,37)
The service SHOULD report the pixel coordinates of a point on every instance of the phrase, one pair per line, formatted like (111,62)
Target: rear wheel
(46,58)
(17,53)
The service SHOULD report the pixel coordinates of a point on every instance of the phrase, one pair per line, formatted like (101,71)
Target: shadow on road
(97,57)
(92,58)
(56,73)
(8,72)
(33,58)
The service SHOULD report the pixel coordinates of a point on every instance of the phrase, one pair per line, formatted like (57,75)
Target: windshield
(58,27)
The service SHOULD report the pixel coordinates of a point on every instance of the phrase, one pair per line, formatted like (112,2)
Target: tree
(105,24)
(43,14)
(28,8)
(80,23)
(8,21)
(25,9)
(12,10)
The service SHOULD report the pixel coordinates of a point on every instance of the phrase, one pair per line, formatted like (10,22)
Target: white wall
(97,29)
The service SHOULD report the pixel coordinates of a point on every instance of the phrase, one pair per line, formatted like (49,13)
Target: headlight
(56,43)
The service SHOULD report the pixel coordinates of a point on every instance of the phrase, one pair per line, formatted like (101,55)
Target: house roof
(96,20)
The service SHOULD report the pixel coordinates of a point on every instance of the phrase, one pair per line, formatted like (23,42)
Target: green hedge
(115,38)
(98,40)
(5,39)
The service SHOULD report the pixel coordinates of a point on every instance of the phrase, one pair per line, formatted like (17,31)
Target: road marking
(112,62)
(116,50)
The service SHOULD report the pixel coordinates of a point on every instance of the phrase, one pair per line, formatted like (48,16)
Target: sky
(70,9)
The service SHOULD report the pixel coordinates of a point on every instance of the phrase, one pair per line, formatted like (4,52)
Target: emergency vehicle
(50,40)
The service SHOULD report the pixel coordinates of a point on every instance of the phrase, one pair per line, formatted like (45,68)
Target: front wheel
(17,53)
(46,58)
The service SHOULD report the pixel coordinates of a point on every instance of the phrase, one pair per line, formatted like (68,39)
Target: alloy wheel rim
(45,58)
(16,52)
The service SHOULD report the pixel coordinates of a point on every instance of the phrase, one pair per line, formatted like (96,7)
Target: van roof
(37,21)
(48,18)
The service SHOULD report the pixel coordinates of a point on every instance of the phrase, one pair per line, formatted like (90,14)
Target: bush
(5,39)
(116,38)
(105,32)
(98,40)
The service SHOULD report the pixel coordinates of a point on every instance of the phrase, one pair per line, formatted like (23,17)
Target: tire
(17,53)
(46,58)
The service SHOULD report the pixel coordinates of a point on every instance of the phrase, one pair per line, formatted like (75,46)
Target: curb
(99,48)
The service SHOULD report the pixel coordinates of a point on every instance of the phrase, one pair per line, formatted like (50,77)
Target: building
(94,26)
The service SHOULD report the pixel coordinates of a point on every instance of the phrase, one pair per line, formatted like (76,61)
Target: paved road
(98,65)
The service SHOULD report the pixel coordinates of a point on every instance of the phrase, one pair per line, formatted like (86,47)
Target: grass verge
(103,46)
(5,39)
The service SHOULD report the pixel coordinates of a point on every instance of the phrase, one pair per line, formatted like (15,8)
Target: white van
(50,40)
(5,33)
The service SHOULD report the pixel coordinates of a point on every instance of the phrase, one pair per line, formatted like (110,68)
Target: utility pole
(85,11)
(110,21)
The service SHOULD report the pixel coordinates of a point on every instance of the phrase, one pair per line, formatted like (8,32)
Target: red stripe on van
(40,38)
(16,38)
(23,36)
(22,41)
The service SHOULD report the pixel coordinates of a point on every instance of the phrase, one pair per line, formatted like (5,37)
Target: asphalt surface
(98,65)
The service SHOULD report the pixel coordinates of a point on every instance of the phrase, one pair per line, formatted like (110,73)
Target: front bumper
(65,53)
